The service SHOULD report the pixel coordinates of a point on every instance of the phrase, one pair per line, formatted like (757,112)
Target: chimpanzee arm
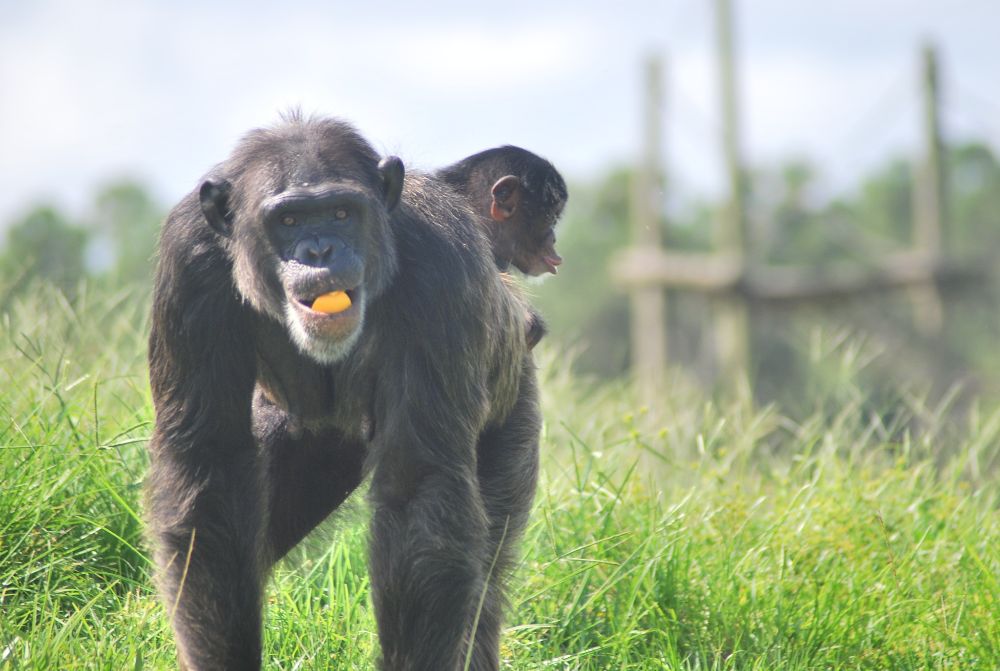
(429,529)
(204,490)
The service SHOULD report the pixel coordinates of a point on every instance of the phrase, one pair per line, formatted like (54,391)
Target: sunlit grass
(670,533)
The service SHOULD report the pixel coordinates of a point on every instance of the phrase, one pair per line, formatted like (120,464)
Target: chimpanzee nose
(314,252)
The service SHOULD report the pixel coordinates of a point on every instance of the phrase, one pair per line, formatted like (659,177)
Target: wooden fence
(733,276)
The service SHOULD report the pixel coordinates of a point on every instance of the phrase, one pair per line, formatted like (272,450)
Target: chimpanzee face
(312,254)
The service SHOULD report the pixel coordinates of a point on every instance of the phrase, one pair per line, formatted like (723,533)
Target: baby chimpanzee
(518,196)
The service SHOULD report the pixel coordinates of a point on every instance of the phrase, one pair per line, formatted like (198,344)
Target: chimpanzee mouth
(325,324)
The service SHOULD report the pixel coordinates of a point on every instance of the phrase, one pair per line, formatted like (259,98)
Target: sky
(97,90)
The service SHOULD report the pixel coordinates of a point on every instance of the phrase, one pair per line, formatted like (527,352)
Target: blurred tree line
(115,241)
(791,225)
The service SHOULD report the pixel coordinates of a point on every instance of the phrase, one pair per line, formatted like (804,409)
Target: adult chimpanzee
(316,318)
(518,197)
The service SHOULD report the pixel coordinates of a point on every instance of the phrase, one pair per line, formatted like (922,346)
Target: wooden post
(731,236)
(647,306)
(930,202)
(929,196)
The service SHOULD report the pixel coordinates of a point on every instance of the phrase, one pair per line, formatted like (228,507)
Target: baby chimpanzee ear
(506,197)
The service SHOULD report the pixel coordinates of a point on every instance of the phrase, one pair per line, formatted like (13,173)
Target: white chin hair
(320,350)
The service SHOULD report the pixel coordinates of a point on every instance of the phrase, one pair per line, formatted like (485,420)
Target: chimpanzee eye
(288,220)
(340,213)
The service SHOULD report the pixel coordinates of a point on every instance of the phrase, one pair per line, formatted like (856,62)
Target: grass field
(677,534)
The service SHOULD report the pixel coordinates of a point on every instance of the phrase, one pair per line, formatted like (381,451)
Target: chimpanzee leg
(508,472)
(310,474)
(428,546)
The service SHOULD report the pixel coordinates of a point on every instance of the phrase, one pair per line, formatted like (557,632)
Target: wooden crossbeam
(726,274)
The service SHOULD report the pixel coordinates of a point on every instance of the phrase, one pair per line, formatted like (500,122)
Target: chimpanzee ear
(506,197)
(214,197)
(392,171)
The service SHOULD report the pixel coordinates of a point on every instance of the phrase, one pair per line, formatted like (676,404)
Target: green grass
(672,533)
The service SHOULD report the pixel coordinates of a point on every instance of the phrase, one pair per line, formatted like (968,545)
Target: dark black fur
(536,328)
(518,197)
(266,419)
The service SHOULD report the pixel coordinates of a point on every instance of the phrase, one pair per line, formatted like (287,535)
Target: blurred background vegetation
(114,244)
(586,308)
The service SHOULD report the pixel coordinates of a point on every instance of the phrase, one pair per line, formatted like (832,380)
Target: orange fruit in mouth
(332,303)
